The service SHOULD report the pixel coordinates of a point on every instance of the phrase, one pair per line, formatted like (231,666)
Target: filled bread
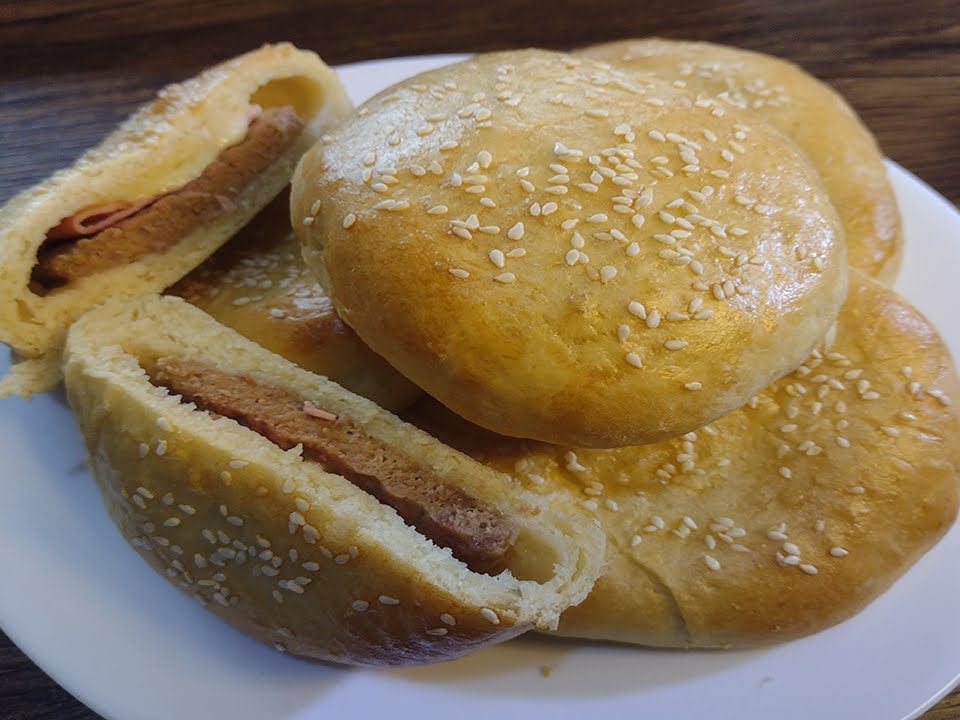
(301,513)
(820,121)
(258,285)
(779,519)
(156,197)
(559,251)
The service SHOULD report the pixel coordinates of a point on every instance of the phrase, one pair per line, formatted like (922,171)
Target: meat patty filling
(102,237)
(476,532)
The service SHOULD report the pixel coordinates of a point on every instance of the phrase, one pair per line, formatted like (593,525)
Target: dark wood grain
(69,70)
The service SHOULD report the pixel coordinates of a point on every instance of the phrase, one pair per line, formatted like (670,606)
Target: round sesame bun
(258,285)
(159,149)
(556,251)
(778,520)
(273,544)
(824,126)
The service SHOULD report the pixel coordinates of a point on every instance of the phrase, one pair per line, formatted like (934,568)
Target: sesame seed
(349,220)
(711,562)
(597,218)
(461,232)
(785,472)
(459,273)
(161,448)
(809,569)
(791,549)
(633,359)
(496,257)
(171,522)
(623,332)
(516,232)
(890,431)
(695,385)
(607,273)
(360,605)
(653,319)
(675,344)
(490,616)
(857,490)
(839,552)
(506,278)
(637,308)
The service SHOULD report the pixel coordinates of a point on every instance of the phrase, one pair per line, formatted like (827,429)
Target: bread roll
(556,251)
(272,543)
(781,518)
(824,126)
(156,197)
(258,285)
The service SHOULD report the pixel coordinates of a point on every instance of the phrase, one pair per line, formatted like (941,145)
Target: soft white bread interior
(781,518)
(272,543)
(159,149)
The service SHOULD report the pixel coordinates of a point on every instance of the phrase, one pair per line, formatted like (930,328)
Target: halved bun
(275,545)
(158,150)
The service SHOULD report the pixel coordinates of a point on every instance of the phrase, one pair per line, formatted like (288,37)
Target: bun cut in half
(156,197)
(301,513)
(556,250)
(779,519)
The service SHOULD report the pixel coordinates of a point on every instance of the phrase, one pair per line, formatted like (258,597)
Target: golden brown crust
(854,459)
(160,148)
(722,258)
(272,544)
(824,126)
(258,285)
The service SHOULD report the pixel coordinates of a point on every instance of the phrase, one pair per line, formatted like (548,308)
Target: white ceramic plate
(84,606)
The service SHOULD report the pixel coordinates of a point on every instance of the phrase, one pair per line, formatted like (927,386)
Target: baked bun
(258,285)
(156,197)
(557,251)
(809,111)
(778,520)
(273,544)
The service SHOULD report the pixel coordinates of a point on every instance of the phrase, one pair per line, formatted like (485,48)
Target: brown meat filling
(164,222)
(476,533)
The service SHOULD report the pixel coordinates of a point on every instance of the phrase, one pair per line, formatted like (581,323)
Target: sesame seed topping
(516,232)
(161,448)
(349,220)
(360,605)
(459,273)
(506,278)
(633,359)
(695,385)
(637,308)
(607,273)
(809,569)
(839,552)
(711,562)
(497,257)
(675,344)
(490,616)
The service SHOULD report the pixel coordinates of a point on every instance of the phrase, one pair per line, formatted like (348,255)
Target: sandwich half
(156,197)
(301,513)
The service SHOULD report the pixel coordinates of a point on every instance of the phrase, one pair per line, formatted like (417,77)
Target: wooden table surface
(70,69)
